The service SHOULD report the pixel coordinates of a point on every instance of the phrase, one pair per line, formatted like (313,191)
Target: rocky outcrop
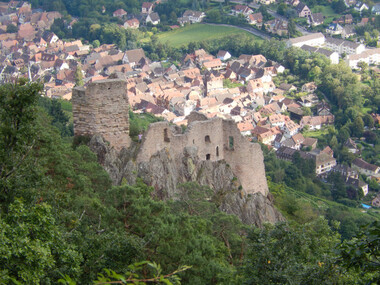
(165,173)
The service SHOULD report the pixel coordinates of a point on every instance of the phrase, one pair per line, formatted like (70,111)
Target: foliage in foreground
(285,254)
(134,275)
(60,215)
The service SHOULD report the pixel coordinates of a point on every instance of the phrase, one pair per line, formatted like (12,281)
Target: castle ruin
(102,108)
(216,139)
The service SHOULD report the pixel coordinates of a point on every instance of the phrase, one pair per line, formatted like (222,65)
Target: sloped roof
(365,165)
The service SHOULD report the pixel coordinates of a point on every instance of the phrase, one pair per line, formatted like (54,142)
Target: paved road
(249,30)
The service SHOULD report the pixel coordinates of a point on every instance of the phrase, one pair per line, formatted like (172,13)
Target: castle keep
(102,108)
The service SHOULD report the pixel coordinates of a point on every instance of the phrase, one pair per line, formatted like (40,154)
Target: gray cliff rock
(165,173)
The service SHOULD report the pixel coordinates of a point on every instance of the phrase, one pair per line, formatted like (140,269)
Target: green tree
(17,132)
(32,247)
(78,76)
(333,142)
(339,6)
(96,43)
(362,254)
(214,16)
(281,9)
(368,121)
(290,254)
(358,127)
(292,29)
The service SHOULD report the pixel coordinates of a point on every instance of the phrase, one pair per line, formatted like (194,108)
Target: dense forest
(60,218)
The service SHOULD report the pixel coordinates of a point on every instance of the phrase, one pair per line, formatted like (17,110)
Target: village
(241,89)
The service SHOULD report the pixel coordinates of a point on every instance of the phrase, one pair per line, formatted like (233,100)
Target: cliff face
(165,172)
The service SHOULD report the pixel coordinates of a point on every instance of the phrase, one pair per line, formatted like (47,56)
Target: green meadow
(199,32)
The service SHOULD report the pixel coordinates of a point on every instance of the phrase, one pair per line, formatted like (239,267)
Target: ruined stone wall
(102,108)
(215,139)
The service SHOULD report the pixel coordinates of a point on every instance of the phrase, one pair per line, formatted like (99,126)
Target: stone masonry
(215,140)
(102,108)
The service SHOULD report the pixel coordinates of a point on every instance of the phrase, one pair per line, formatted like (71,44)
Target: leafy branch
(133,277)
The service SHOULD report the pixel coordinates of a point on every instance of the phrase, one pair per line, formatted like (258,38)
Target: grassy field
(316,134)
(200,32)
(327,11)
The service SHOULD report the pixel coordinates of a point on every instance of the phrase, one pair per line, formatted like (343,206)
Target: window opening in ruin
(231,142)
(217,151)
(208,156)
(166,137)
(207,139)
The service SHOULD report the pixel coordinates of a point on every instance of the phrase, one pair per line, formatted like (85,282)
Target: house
(303,11)
(376,201)
(60,65)
(287,87)
(285,153)
(365,168)
(194,16)
(50,37)
(153,18)
(328,151)
(134,57)
(315,39)
(293,3)
(120,13)
(349,3)
(376,9)
(147,7)
(242,9)
(323,161)
(296,113)
(316,19)
(263,135)
(255,19)
(346,171)
(332,55)
(245,128)
(345,19)
(334,29)
(223,55)
(290,128)
(214,64)
(298,140)
(266,2)
(277,120)
(309,87)
(351,145)
(132,24)
(358,184)
(316,122)
(369,56)
(348,31)
(361,6)
(309,143)
(277,26)
(343,46)
(324,109)
(308,101)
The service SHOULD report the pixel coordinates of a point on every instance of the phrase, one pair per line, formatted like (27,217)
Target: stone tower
(102,108)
